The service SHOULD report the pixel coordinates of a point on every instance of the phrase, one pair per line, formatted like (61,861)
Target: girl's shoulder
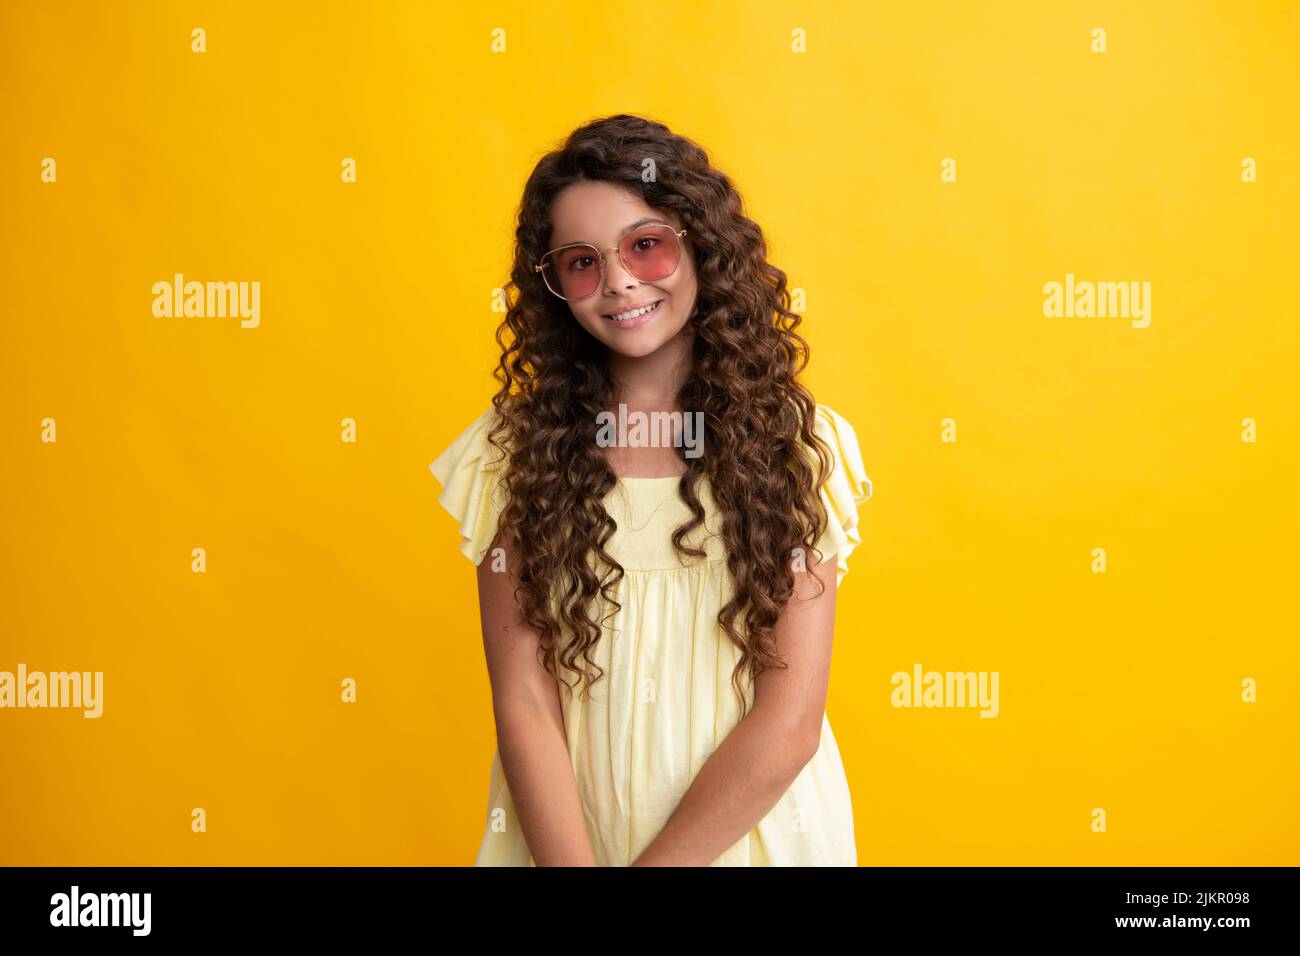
(846,488)
(469,470)
(842,440)
(827,421)
(472,447)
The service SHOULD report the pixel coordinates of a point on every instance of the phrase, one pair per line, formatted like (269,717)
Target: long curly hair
(765,463)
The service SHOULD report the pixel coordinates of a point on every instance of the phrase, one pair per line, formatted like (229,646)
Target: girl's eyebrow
(643,222)
(636,225)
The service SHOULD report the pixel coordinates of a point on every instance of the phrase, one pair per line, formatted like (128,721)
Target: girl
(657,603)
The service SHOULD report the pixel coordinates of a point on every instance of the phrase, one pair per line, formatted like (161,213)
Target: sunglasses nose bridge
(616,259)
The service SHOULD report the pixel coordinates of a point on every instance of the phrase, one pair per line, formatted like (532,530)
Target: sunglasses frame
(600,256)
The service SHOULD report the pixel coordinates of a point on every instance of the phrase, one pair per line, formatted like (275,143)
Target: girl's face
(602,214)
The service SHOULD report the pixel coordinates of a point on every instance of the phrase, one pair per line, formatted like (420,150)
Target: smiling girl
(657,626)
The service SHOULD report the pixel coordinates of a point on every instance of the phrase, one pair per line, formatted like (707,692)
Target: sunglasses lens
(651,252)
(573,273)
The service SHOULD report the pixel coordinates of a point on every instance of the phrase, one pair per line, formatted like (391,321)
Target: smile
(635,317)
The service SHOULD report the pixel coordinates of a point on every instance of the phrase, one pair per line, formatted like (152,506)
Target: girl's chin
(629,347)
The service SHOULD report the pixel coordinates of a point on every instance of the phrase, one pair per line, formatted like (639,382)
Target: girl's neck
(652,381)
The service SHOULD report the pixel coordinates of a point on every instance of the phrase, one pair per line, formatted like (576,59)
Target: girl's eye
(650,241)
(578,263)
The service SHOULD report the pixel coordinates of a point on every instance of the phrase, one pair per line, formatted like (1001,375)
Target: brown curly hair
(765,463)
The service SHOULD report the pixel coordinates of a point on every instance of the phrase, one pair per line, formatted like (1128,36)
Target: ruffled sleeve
(846,489)
(470,472)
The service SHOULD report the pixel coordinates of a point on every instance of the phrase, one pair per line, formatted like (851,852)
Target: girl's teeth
(623,317)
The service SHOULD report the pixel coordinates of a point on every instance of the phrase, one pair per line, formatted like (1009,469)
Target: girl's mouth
(638,317)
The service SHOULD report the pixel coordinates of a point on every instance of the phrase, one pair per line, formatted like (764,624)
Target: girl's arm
(530,726)
(758,761)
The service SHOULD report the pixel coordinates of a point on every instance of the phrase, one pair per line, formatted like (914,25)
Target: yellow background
(924,302)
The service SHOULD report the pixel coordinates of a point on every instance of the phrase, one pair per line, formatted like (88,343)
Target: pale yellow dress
(665,701)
